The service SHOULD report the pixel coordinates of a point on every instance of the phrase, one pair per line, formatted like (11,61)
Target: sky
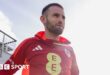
(87,27)
(5,24)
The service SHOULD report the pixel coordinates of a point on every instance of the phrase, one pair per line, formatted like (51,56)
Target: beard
(55,29)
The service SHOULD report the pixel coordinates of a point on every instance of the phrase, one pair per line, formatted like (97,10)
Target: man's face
(55,20)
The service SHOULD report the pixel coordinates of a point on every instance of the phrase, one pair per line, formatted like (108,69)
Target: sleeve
(17,58)
(74,67)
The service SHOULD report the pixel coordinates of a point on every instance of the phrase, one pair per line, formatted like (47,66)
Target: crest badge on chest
(67,52)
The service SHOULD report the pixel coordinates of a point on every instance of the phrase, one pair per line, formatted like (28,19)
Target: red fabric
(43,57)
(41,34)
(25,72)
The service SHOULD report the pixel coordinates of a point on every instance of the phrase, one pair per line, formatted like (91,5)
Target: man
(47,53)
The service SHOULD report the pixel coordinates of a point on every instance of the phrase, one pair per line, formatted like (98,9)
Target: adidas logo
(37,48)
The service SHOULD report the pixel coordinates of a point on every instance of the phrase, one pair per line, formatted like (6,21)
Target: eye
(63,17)
(56,15)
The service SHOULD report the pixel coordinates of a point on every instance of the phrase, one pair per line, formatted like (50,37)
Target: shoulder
(28,41)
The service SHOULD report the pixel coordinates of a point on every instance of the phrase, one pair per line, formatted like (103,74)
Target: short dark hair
(49,5)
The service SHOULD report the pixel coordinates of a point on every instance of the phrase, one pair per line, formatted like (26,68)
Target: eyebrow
(57,14)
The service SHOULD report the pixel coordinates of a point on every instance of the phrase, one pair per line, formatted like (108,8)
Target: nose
(61,20)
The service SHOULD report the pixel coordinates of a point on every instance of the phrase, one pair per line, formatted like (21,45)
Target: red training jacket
(44,57)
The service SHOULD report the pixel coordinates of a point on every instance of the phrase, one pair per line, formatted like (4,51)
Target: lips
(59,26)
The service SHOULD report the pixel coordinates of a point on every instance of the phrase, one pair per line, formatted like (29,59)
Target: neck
(50,35)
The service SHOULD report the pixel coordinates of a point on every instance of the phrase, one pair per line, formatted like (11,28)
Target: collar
(42,36)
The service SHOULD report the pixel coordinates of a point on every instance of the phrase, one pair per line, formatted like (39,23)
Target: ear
(43,19)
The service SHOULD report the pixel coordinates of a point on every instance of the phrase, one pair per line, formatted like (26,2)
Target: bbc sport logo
(1,66)
(8,66)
